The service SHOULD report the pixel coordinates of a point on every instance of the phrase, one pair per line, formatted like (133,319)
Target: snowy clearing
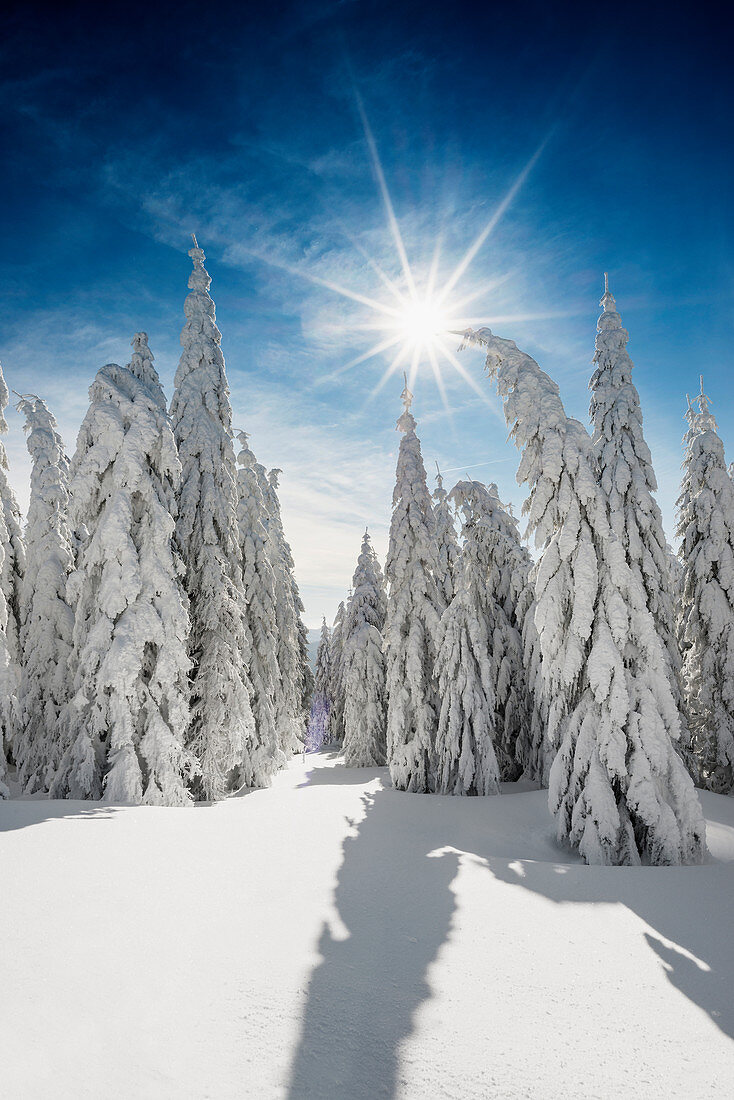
(331,937)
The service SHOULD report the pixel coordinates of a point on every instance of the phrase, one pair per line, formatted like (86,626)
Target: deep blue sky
(125,128)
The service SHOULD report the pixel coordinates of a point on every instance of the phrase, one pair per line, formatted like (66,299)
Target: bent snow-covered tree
(413,612)
(447,544)
(126,720)
(619,791)
(46,620)
(222,728)
(706,528)
(259,609)
(12,565)
(628,482)
(466,761)
(365,717)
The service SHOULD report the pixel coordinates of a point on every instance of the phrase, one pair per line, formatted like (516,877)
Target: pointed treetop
(439,478)
(196,253)
(699,416)
(140,341)
(607,301)
(706,421)
(406,422)
(406,396)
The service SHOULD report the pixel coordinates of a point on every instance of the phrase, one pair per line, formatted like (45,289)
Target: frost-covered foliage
(365,716)
(628,481)
(291,638)
(618,789)
(335,733)
(466,761)
(318,721)
(447,544)
(414,609)
(259,610)
(46,620)
(222,728)
(706,528)
(12,565)
(126,720)
(534,752)
(307,677)
(508,564)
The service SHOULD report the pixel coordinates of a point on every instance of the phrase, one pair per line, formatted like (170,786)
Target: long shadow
(688,910)
(395,906)
(22,813)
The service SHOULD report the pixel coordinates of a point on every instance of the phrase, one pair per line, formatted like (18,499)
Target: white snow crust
(331,937)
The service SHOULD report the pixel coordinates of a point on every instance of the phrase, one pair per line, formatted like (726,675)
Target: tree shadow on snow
(687,909)
(394,907)
(22,813)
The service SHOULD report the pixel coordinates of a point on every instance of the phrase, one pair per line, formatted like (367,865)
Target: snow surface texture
(414,609)
(619,791)
(365,716)
(368,945)
(222,728)
(706,527)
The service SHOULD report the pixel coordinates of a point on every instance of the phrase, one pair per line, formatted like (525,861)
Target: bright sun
(421,322)
(418,320)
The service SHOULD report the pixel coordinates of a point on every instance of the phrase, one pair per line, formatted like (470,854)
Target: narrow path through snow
(331,937)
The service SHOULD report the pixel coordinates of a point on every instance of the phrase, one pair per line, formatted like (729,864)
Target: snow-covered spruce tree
(619,791)
(12,567)
(258,606)
(8,686)
(628,481)
(706,528)
(307,676)
(125,723)
(466,761)
(365,716)
(337,699)
(447,544)
(506,581)
(46,620)
(222,732)
(292,652)
(534,752)
(318,721)
(414,609)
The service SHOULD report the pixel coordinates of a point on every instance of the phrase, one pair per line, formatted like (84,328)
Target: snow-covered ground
(333,938)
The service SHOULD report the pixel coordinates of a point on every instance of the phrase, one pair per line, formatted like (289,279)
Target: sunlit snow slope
(333,938)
